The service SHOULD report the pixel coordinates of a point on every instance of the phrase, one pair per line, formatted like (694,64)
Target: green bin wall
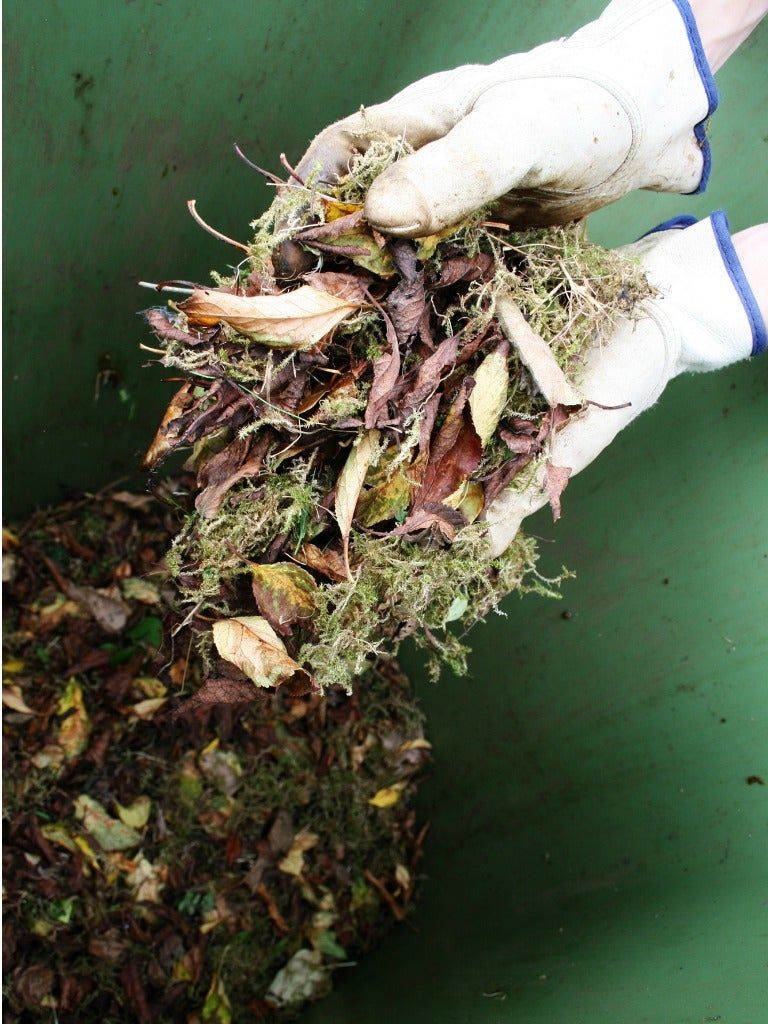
(596,854)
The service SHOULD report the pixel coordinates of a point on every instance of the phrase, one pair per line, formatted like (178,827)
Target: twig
(291,170)
(192,207)
(255,167)
(397,911)
(165,288)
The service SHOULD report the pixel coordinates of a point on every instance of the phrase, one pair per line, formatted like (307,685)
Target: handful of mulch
(353,405)
(221,867)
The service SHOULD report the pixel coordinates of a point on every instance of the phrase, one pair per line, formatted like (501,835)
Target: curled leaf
(299,319)
(555,482)
(250,642)
(535,354)
(350,484)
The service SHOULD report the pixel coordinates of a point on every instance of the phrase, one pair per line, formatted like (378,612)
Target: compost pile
(353,404)
(218,866)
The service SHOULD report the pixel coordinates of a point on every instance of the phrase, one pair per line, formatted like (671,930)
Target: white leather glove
(559,131)
(703,317)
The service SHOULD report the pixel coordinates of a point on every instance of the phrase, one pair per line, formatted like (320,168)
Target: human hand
(557,132)
(704,316)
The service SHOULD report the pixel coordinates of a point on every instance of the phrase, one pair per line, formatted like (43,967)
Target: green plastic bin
(597,855)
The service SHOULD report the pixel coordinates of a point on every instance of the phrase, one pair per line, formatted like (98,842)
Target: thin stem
(192,207)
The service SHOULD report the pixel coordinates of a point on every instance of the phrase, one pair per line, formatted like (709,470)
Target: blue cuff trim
(682,220)
(708,81)
(740,283)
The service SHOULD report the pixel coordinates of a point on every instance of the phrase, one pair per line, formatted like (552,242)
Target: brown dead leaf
(299,319)
(430,373)
(386,370)
(350,484)
(555,481)
(285,594)
(349,287)
(250,643)
(164,328)
(240,459)
(218,691)
(329,562)
(161,446)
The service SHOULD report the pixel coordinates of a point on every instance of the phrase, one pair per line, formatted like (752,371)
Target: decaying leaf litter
(219,866)
(353,404)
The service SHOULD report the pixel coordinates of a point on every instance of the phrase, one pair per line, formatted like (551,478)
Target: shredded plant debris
(212,859)
(354,404)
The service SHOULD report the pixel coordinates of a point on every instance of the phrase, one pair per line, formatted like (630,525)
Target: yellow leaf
(148,686)
(13,699)
(386,499)
(334,210)
(56,832)
(210,747)
(217,1008)
(428,243)
(469,499)
(489,395)
(87,851)
(10,540)
(73,732)
(417,744)
(293,862)
(135,815)
(136,589)
(388,796)
(108,832)
(12,666)
(299,319)
(350,484)
(285,594)
(249,642)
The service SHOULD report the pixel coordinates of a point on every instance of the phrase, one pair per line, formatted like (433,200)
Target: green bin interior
(596,853)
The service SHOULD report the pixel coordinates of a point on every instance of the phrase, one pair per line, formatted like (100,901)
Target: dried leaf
(73,732)
(147,709)
(108,832)
(489,395)
(106,607)
(135,815)
(161,445)
(430,373)
(285,594)
(406,305)
(303,979)
(293,862)
(536,355)
(386,370)
(299,319)
(386,500)
(388,796)
(14,699)
(555,482)
(349,236)
(349,287)
(250,643)
(329,562)
(469,499)
(350,484)
(218,691)
(240,459)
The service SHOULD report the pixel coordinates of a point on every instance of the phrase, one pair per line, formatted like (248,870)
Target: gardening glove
(557,132)
(703,316)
